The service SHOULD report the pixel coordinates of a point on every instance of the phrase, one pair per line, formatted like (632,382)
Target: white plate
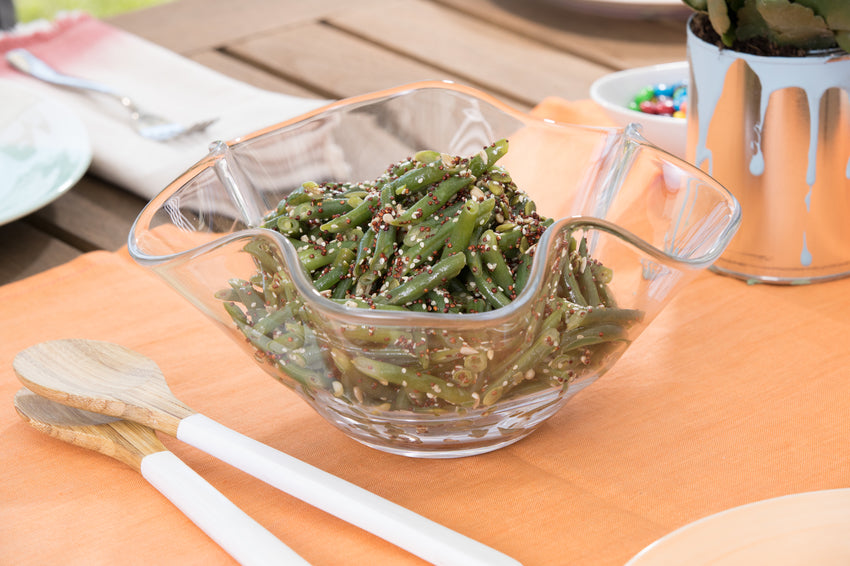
(795,530)
(44,150)
(628,8)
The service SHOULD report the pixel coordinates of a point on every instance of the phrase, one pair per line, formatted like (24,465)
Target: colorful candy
(662,99)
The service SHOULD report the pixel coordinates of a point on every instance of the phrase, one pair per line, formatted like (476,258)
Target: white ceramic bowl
(614,92)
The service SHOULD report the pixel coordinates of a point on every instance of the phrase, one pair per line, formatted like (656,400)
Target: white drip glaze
(709,66)
(805,254)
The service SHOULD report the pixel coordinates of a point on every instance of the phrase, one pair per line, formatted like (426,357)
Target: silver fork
(147,125)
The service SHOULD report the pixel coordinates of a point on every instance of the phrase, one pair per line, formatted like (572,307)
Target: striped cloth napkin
(159,80)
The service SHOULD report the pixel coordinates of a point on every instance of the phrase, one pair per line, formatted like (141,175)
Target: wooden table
(519,51)
(736,393)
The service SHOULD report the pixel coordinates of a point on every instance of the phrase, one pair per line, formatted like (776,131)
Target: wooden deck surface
(520,52)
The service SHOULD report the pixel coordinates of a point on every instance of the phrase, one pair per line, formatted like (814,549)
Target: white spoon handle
(416,534)
(237,533)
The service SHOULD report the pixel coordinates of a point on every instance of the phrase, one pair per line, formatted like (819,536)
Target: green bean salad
(434,233)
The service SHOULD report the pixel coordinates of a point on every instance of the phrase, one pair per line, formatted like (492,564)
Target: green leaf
(835,12)
(795,24)
(750,22)
(842,38)
(718,14)
(698,5)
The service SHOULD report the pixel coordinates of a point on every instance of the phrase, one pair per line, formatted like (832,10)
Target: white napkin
(160,81)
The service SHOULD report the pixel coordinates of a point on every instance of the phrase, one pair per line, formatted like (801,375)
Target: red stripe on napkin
(62,40)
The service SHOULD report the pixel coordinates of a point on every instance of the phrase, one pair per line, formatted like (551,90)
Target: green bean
(487,288)
(447,356)
(248,295)
(433,233)
(612,315)
(571,285)
(585,276)
(379,263)
(414,179)
(461,233)
(342,288)
(298,244)
(288,226)
(476,362)
(290,340)
(495,263)
(426,279)
(358,215)
(337,270)
(463,377)
(509,235)
(521,368)
(323,209)
(307,377)
(313,257)
(433,201)
(429,385)
(401,401)
(306,357)
(589,336)
(417,233)
(237,314)
(270,322)
(427,156)
(523,271)
(602,276)
(557,315)
(364,251)
(282,288)
(487,157)
(423,251)
(305,193)
(421,229)
(354,302)
(261,251)
(435,301)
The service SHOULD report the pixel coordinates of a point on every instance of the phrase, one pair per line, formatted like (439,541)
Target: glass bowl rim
(378,317)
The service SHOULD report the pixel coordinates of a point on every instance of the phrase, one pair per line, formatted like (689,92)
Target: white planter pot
(776,132)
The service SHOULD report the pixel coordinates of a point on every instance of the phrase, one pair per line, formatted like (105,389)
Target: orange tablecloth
(734,394)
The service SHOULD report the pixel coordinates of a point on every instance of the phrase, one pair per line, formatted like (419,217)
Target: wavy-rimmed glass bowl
(433,384)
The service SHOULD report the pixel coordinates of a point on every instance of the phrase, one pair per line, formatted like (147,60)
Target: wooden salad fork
(138,446)
(109,379)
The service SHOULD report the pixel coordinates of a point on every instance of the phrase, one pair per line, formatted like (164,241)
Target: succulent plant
(804,24)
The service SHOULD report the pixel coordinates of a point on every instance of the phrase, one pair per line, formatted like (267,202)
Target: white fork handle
(236,532)
(404,528)
(28,63)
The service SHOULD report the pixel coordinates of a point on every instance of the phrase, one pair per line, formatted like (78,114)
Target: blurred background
(28,10)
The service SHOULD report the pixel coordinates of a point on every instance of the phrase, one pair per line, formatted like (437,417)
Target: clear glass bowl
(431,384)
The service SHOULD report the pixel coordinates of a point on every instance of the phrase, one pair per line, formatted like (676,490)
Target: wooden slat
(518,51)
(250,74)
(505,62)
(176,25)
(93,216)
(27,251)
(617,43)
(332,62)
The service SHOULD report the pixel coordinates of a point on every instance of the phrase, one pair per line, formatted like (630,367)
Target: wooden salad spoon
(109,379)
(138,446)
